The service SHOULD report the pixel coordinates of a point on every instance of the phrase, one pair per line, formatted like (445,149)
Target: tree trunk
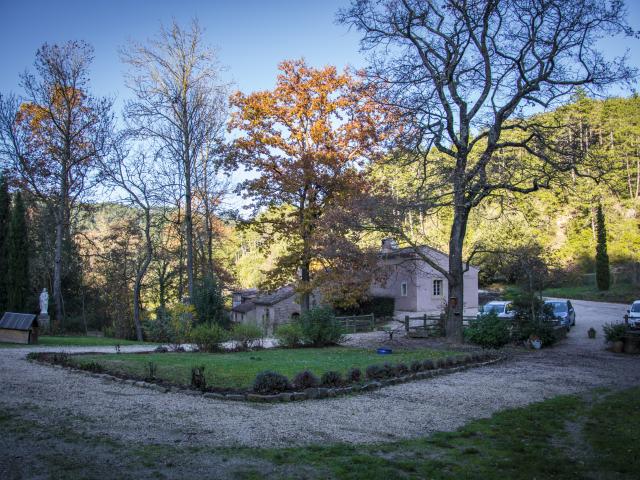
(142,270)
(305,277)
(455,302)
(57,273)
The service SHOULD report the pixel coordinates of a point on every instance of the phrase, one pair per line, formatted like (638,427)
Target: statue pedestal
(44,323)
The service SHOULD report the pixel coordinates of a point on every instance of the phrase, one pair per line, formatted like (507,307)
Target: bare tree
(134,175)
(468,75)
(179,104)
(54,136)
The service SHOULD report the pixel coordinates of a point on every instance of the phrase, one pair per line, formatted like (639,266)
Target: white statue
(44,302)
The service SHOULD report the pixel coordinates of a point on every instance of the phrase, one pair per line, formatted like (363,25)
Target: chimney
(388,245)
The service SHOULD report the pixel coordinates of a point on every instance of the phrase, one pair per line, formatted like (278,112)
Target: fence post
(406,323)
(373,322)
(424,321)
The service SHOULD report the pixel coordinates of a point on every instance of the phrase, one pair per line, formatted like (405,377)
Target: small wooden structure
(19,328)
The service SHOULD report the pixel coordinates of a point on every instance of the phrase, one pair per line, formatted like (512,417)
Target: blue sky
(251,36)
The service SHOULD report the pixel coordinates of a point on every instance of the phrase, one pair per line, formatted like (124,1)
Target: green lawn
(238,369)
(78,341)
(620,293)
(563,438)
(568,437)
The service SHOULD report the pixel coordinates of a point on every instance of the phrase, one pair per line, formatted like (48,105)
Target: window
(437,288)
(403,289)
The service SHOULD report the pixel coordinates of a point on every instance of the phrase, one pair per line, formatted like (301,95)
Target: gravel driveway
(129,413)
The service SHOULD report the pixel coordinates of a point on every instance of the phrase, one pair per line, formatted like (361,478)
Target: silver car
(562,311)
(502,308)
(633,315)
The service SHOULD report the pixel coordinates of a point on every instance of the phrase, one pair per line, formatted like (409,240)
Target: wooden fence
(428,325)
(357,323)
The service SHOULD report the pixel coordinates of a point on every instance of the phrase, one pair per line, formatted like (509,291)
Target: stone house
(416,286)
(267,310)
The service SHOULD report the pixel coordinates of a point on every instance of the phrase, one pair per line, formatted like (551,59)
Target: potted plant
(535,341)
(614,334)
(591,332)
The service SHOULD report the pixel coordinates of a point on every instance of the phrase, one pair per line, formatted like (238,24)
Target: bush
(172,326)
(270,382)
(246,335)
(289,335)
(375,372)
(428,365)
(198,379)
(401,370)
(208,301)
(488,331)
(354,375)
(542,329)
(319,328)
(416,366)
(331,379)
(381,307)
(93,366)
(389,370)
(305,379)
(209,337)
(614,332)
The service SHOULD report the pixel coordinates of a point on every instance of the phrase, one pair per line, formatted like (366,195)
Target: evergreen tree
(603,279)
(209,301)
(18,259)
(5,216)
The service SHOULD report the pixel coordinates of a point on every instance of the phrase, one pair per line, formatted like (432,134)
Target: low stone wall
(307,394)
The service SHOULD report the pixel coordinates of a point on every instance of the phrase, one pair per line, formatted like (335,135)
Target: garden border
(307,394)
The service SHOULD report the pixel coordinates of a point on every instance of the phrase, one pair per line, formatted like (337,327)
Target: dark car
(562,310)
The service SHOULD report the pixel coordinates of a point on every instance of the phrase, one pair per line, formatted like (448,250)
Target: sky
(251,36)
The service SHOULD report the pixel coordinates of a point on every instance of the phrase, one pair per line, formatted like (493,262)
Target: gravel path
(130,413)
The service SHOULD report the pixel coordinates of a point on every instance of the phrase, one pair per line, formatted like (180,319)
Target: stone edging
(307,394)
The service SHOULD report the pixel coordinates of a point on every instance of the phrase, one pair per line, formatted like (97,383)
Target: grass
(237,370)
(567,437)
(79,341)
(619,293)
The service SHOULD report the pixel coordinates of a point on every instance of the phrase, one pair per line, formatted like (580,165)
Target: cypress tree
(603,278)
(18,258)
(5,217)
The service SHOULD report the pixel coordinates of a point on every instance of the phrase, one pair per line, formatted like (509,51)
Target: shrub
(246,335)
(540,328)
(389,370)
(270,382)
(354,375)
(614,332)
(319,328)
(93,366)
(152,369)
(209,337)
(198,379)
(305,379)
(289,335)
(172,326)
(416,366)
(488,331)
(401,369)
(208,301)
(331,379)
(428,365)
(375,372)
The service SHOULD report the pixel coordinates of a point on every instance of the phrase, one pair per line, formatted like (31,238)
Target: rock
(299,396)
(285,397)
(367,387)
(235,396)
(214,395)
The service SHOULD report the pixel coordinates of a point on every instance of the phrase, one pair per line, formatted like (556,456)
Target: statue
(44,302)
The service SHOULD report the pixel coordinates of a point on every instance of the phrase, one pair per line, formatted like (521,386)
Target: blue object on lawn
(384,351)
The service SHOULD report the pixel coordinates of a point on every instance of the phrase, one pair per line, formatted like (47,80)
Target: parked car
(563,311)
(633,315)
(502,308)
